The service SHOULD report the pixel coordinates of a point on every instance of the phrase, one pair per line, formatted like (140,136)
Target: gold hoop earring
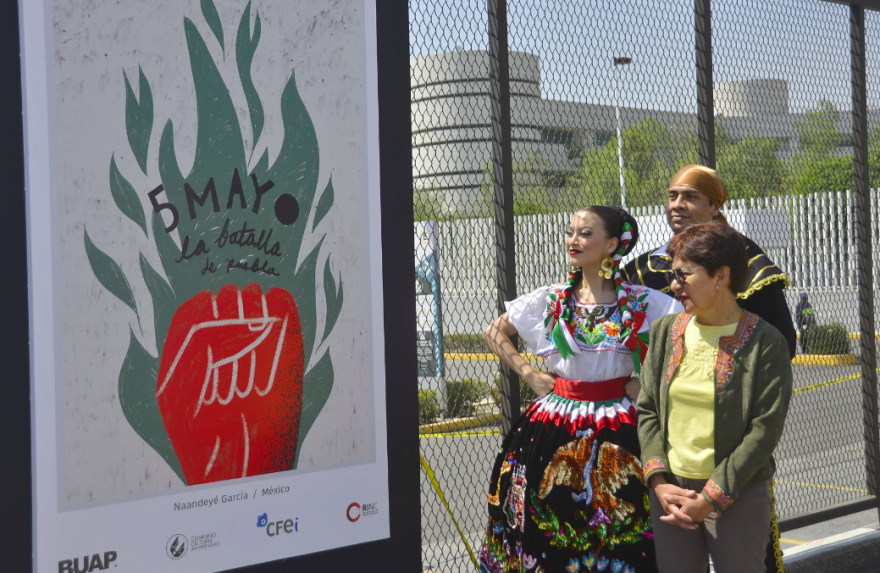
(606,267)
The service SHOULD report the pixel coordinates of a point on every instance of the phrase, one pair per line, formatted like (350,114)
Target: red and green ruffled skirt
(567,492)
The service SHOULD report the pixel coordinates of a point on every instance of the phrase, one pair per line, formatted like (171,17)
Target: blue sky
(805,42)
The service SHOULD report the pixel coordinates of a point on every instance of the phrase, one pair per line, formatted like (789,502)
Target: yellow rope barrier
(430,473)
(777,551)
(828,383)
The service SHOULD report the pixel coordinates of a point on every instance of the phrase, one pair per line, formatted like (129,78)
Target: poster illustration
(209,231)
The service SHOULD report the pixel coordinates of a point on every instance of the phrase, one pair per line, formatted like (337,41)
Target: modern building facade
(452,133)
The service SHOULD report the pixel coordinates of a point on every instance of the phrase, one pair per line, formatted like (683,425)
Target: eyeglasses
(679,275)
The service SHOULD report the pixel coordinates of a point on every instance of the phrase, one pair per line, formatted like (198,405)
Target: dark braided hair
(618,223)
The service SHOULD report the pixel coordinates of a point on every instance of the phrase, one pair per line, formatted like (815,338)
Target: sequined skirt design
(567,493)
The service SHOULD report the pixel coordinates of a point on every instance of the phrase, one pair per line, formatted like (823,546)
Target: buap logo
(176,546)
(96,562)
(262,520)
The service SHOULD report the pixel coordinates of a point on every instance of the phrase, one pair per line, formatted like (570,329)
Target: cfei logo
(96,562)
(176,546)
(278,527)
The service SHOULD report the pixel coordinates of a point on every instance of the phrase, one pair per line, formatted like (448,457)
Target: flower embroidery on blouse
(595,327)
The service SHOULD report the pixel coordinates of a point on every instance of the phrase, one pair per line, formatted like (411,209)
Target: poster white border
(137,530)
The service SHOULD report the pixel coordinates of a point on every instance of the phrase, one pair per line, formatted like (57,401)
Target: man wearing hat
(696,195)
(805,317)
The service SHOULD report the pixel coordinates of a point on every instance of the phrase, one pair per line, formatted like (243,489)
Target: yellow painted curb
(824,360)
(495,432)
(460,425)
(479,356)
(858,336)
(469,356)
(823,486)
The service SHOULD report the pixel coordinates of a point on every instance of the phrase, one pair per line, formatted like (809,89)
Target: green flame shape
(220,151)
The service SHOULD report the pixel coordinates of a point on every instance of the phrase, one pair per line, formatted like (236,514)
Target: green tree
(652,154)
(817,169)
(818,131)
(537,187)
(750,167)
(429,205)
(831,173)
(874,158)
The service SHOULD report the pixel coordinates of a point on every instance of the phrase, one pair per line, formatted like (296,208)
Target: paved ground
(820,462)
(799,537)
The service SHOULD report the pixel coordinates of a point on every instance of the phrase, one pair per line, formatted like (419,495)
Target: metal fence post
(705,105)
(502,180)
(867,345)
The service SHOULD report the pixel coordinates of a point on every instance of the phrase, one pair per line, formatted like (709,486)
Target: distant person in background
(805,318)
(696,195)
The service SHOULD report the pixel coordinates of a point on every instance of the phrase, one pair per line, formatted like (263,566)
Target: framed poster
(207,305)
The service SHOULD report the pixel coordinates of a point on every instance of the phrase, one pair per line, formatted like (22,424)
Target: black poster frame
(402,550)
(16,526)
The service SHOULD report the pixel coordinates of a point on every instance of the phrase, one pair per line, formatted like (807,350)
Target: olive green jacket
(753,386)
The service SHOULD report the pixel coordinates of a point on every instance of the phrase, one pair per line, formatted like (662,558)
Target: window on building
(557,136)
(601,138)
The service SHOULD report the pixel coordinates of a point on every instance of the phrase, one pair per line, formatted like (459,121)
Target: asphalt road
(820,461)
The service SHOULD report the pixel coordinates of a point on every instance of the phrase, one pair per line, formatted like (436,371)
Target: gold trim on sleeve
(664,257)
(756,286)
(639,271)
(755,258)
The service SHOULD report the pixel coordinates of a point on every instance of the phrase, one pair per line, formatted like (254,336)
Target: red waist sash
(591,391)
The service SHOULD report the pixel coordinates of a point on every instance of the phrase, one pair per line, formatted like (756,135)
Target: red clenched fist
(230,383)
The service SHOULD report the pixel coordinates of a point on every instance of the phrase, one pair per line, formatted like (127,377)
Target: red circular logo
(357,512)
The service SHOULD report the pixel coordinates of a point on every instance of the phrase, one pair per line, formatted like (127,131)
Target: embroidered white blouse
(596,326)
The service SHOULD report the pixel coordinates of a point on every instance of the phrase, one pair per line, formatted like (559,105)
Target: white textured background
(95,40)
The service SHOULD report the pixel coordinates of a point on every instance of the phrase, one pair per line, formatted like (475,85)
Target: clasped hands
(684,508)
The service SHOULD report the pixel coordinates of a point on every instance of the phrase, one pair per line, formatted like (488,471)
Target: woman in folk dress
(567,492)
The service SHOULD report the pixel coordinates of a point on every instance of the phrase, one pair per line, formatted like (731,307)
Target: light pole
(619,62)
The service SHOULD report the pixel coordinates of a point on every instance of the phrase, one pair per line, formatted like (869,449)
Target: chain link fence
(604,109)
(784,136)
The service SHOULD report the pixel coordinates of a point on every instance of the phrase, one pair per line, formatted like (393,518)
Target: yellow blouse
(690,442)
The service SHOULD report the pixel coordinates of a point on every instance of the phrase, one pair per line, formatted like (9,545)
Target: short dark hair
(712,246)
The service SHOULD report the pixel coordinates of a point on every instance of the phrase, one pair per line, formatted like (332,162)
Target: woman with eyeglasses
(715,391)
(566,492)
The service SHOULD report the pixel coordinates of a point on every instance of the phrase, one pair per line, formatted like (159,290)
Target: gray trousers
(736,539)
